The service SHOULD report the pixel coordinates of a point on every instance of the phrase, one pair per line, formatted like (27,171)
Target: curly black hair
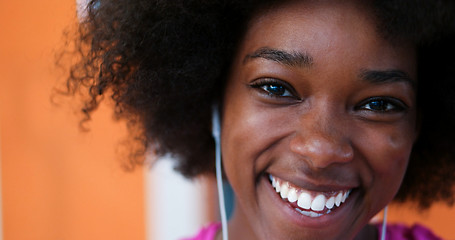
(163,63)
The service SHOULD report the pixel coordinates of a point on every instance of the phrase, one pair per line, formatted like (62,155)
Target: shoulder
(403,232)
(206,233)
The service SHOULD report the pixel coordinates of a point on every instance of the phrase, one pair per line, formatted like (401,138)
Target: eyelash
(266,84)
(388,104)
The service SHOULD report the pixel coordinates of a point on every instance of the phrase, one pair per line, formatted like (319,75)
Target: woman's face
(319,102)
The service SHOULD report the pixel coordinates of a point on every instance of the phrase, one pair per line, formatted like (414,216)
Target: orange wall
(440,218)
(57,183)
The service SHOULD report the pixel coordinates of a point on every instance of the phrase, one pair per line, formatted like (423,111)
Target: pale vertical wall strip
(175,205)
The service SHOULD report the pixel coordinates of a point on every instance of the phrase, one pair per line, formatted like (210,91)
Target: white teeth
(338,199)
(318,203)
(313,214)
(304,200)
(345,195)
(292,195)
(284,191)
(309,213)
(330,202)
(277,187)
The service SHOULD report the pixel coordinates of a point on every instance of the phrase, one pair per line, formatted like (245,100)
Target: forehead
(329,29)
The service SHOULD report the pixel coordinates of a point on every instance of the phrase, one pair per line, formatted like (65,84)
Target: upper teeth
(309,200)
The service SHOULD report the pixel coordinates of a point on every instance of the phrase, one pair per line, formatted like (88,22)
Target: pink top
(402,232)
(206,233)
(394,232)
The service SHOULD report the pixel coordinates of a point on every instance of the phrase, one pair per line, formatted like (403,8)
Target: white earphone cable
(384,224)
(219,178)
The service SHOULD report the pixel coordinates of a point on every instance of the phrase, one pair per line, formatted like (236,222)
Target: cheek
(237,128)
(387,152)
(242,131)
(247,131)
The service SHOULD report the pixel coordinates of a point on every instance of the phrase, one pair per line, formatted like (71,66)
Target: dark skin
(317,98)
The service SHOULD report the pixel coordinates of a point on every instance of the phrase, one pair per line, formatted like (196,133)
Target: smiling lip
(309,203)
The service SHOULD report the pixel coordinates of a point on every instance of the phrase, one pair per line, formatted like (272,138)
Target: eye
(274,88)
(382,105)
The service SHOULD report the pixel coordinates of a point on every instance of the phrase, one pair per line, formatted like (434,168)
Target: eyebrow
(380,77)
(292,59)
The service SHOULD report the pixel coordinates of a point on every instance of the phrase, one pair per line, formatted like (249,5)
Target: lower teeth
(311,213)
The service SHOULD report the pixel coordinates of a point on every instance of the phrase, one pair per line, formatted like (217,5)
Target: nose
(322,141)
